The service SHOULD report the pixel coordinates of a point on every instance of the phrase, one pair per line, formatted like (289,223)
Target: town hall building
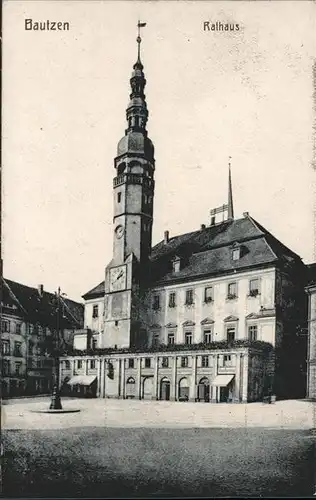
(210,315)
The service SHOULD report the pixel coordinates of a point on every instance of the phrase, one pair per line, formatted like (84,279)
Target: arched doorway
(164,389)
(184,389)
(130,388)
(148,387)
(203,390)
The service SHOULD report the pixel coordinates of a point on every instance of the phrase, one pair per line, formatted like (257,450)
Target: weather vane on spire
(138,39)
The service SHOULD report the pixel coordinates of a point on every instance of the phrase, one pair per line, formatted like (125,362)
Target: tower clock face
(117,278)
(119,231)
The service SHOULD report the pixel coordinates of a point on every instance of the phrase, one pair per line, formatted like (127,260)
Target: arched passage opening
(203,393)
(184,389)
(148,387)
(164,389)
(130,387)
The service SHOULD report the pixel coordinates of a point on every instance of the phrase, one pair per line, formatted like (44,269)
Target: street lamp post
(55,399)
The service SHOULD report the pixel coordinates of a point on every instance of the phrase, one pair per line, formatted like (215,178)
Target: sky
(210,95)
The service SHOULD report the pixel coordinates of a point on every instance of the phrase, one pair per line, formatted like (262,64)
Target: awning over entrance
(82,380)
(222,380)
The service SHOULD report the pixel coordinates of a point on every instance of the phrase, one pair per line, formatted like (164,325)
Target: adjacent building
(28,336)
(310,332)
(209,315)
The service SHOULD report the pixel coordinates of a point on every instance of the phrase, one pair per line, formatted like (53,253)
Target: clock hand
(121,274)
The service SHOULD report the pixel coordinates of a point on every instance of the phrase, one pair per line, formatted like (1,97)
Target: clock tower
(133,196)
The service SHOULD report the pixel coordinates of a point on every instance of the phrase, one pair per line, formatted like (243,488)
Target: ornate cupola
(134,182)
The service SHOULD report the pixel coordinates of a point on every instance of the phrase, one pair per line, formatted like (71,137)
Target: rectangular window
(156,339)
(170,338)
(189,297)
(18,368)
(147,362)
(156,302)
(5,326)
(208,294)
(94,343)
(207,336)
(92,364)
(119,196)
(131,362)
(253,332)
(188,337)
(79,364)
(67,364)
(18,328)
(231,334)
(95,312)
(172,299)
(205,361)
(227,361)
(17,349)
(5,368)
(232,290)
(165,362)
(184,361)
(253,287)
(6,347)
(30,349)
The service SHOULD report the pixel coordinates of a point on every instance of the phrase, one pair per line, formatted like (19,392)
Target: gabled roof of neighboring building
(97,291)
(41,307)
(208,252)
(311,274)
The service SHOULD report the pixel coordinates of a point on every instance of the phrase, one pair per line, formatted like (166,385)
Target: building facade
(311,332)
(28,334)
(208,315)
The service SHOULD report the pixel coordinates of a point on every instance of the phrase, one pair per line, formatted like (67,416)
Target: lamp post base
(55,402)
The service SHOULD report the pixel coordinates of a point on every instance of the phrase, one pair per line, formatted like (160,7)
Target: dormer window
(236,253)
(176,264)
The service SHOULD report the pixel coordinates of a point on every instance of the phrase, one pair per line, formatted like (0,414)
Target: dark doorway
(165,390)
(223,394)
(203,390)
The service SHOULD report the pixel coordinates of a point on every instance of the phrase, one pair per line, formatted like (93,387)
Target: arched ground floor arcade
(238,375)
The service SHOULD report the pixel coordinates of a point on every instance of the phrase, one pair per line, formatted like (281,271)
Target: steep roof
(207,252)
(97,291)
(311,274)
(42,308)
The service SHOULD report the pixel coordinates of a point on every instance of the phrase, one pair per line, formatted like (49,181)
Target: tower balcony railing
(130,178)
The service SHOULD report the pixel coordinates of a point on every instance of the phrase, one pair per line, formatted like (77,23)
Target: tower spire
(230,192)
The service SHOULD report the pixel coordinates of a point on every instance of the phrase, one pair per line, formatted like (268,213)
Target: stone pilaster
(237,379)
(173,388)
(123,362)
(99,377)
(138,380)
(213,389)
(86,368)
(244,375)
(193,394)
(156,365)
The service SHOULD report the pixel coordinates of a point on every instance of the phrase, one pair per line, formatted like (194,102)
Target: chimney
(166,237)
(203,226)
(40,289)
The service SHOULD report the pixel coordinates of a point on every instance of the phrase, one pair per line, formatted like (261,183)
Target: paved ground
(116,448)
(17,414)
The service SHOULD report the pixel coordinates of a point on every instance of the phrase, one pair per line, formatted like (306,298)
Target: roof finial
(230,192)
(138,39)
